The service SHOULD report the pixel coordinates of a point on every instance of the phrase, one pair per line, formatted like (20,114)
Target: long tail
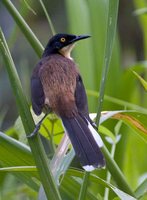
(86,142)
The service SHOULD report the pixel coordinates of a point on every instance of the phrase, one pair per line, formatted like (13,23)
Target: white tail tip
(88,168)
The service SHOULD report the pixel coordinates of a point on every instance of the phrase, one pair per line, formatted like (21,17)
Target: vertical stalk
(108,178)
(84,186)
(116,172)
(110,36)
(48,18)
(111,31)
(37,149)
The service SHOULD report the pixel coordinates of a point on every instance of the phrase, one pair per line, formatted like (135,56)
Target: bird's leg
(93,124)
(37,127)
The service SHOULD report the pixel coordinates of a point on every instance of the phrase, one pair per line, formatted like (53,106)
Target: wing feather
(37,95)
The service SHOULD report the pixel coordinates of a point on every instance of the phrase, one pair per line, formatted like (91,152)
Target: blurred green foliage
(81,17)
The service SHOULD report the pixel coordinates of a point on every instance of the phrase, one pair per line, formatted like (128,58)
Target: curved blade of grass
(142,81)
(29,7)
(135,120)
(105,115)
(48,18)
(35,43)
(19,169)
(25,114)
(107,132)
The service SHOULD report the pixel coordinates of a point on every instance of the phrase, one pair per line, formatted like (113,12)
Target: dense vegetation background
(124,135)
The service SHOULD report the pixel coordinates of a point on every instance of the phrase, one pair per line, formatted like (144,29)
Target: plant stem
(108,178)
(38,152)
(111,30)
(37,46)
(48,18)
(52,137)
(84,186)
(116,172)
(119,102)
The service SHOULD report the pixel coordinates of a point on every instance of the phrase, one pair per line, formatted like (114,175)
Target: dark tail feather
(86,142)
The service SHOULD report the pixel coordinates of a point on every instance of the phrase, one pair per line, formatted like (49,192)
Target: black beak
(79,37)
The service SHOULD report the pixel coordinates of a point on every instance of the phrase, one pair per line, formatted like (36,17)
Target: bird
(57,86)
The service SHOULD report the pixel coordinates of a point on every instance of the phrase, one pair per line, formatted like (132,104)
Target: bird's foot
(94,126)
(35,131)
(37,127)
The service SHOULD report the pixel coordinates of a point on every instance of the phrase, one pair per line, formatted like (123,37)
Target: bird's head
(62,43)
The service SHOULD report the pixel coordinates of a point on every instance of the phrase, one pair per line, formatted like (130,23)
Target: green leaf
(122,103)
(61,159)
(13,154)
(71,187)
(84,186)
(19,169)
(142,81)
(2,115)
(135,120)
(140,11)
(142,189)
(105,131)
(51,127)
(95,179)
(29,7)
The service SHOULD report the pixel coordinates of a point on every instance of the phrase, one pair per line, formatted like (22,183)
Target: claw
(35,131)
(37,127)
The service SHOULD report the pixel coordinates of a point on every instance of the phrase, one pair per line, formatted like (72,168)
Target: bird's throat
(66,51)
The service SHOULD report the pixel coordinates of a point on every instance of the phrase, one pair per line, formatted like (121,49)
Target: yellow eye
(62,39)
